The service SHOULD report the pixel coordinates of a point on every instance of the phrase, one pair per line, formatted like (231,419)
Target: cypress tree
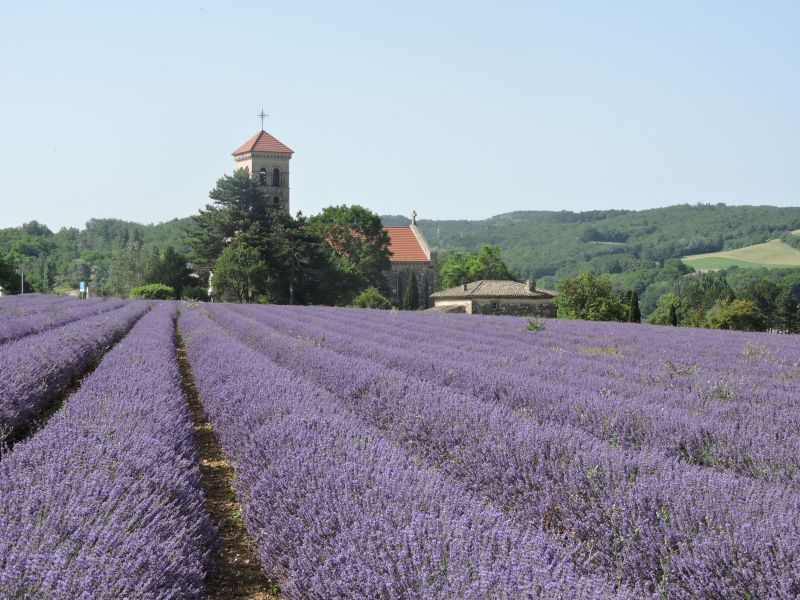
(634,314)
(786,314)
(411,297)
(673,316)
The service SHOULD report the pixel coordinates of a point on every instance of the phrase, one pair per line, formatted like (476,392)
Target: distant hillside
(631,245)
(772,254)
(548,243)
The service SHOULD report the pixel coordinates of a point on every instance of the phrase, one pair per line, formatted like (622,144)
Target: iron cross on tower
(263,116)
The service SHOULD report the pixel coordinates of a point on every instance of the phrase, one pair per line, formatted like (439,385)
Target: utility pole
(21,272)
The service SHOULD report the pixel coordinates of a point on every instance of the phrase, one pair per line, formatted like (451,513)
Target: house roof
(263,142)
(490,288)
(405,246)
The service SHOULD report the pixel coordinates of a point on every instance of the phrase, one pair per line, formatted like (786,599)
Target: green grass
(772,254)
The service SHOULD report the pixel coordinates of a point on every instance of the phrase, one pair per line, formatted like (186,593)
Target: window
(494,308)
(276,177)
(262,176)
(276,201)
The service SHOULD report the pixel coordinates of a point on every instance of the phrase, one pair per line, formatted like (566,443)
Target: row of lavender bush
(16,327)
(36,369)
(642,517)
(25,304)
(338,511)
(691,399)
(105,501)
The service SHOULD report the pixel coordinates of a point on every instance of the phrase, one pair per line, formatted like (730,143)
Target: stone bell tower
(269,159)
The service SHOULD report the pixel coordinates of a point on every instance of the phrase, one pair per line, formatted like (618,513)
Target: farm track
(235,574)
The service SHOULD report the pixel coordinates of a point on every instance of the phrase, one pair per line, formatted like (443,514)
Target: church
(265,155)
(410,252)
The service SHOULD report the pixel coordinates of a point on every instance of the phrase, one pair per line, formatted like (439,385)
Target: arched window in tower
(276,201)
(276,177)
(262,176)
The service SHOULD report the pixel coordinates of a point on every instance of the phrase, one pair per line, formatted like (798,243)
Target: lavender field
(398,455)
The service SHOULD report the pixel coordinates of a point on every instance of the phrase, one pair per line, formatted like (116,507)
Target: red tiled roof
(263,142)
(404,245)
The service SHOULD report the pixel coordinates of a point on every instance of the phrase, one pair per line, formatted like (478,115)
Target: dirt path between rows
(235,574)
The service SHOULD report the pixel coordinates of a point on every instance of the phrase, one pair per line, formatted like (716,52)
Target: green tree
(168,268)
(357,246)
(668,307)
(302,270)
(634,314)
(239,207)
(454,269)
(487,264)
(127,269)
(152,291)
(371,298)
(239,274)
(589,297)
(458,267)
(6,272)
(411,295)
(737,314)
(293,266)
(787,318)
(764,295)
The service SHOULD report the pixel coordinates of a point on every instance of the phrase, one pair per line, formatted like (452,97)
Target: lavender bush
(52,315)
(37,368)
(338,511)
(604,379)
(643,516)
(23,304)
(104,502)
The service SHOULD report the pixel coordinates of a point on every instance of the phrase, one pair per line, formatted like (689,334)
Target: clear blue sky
(455,109)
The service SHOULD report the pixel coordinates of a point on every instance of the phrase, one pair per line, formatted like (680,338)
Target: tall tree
(411,295)
(673,315)
(634,313)
(786,317)
(239,273)
(170,269)
(737,314)
(458,267)
(764,295)
(589,297)
(239,207)
(358,246)
(303,273)
(126,270)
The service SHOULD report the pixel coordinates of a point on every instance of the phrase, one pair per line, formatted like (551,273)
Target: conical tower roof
(263,142)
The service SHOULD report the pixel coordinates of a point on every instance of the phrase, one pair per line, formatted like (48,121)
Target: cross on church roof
(263,116)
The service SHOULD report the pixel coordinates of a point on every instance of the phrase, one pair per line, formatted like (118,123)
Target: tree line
(732,299)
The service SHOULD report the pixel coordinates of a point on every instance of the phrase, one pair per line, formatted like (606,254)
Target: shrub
(371,298)
(152,291)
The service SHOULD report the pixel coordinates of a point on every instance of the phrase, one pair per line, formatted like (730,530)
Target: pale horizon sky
(458,110)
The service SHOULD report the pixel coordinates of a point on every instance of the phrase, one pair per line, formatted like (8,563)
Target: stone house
(493,297)
(410,252)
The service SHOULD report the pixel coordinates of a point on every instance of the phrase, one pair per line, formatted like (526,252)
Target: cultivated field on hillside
(382,454)
(771,254)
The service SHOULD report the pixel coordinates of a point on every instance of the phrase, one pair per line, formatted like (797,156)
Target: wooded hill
(548,243)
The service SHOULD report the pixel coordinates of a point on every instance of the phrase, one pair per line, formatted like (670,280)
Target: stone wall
(515,306)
